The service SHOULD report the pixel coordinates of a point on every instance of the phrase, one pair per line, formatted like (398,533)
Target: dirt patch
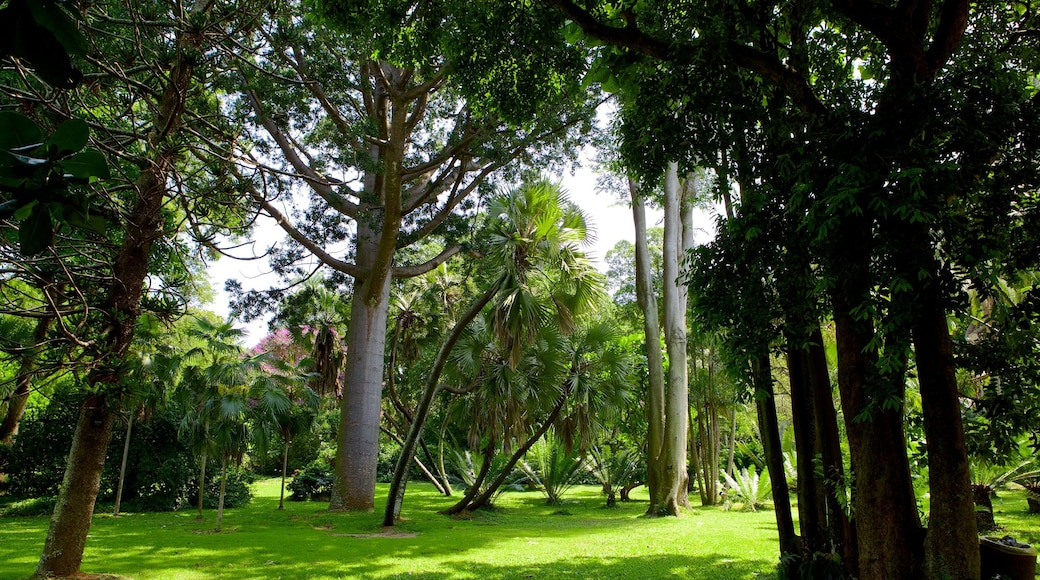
(391,535)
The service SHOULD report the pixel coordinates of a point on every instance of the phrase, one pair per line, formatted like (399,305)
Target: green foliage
(43,179)
(551,468)
(313,482)
(161,471)
(36,506)
(747,488)
(810,566)
(43,34)
(614,467)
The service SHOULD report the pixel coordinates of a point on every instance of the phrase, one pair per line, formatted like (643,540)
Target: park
(835,374)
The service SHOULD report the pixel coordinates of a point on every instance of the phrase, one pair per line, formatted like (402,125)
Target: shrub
(313,482)
(552,469)
(40,506)
(747,488)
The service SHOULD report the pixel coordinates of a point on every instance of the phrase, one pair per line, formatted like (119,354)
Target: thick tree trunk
(67,535)
(647,301)
(122,464)
(951,544)
(357,450)
(885,510)
(20,396)
(765,404)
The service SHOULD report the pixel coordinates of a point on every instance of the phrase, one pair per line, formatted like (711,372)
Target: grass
(523,538)
(1010,512)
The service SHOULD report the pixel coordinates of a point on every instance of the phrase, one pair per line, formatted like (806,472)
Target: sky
(611,222)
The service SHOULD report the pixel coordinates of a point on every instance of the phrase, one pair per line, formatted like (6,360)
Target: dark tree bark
(812,494)
(887,526)
(462,504)
(765,404)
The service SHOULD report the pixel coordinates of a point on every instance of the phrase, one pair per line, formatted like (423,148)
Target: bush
(161,472)
(313,482)
(40,506)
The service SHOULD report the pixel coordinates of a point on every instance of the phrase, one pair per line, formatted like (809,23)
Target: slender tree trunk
(765,403)
(842,531)
(122,463)
(731,461)
(467,498)
(676,406)
(223,487)
(812,494)
(285,468)
(20,396)
(696,459)
(395,497)
(66,538)
(951,544)
(441,471)
(485,498)
(202,486)
(655,359)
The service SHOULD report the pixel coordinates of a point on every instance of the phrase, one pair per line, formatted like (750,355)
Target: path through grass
(521,539)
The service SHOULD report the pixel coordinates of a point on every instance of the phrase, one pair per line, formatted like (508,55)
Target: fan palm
(535,238)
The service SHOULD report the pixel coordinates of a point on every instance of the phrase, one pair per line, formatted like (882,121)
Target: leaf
(24,211)
(70,136)
(87,164)
(36,232)
(17,131)
(80,219)
(49,15)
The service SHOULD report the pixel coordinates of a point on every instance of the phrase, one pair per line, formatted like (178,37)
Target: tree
(418,106)
(869,180)
(534,238)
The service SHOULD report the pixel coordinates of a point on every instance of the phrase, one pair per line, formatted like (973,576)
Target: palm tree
(535,238)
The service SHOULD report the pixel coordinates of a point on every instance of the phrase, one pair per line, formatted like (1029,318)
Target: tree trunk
(395,497)
(122,464)
(647,301)
(223,487)
(812,494)
(20,396)
(462,504)
(285,468)
(357,450)
(66,538)
(202,486)
(765,403)
(887,526)
(731,465)
(841,529)
(951,544)
(672,457)
(67,535)
(485,497)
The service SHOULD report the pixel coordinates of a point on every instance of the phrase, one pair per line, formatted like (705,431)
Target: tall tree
(392,114)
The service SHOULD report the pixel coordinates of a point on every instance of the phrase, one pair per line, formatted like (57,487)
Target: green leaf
(87,164)
(80,219)
(17,130)
(49,15)
(36,232)
(70,136)
(24,211)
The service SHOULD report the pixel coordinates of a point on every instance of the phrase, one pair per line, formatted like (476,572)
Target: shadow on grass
(521,539)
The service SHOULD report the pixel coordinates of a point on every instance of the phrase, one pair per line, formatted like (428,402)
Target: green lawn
(523,538)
